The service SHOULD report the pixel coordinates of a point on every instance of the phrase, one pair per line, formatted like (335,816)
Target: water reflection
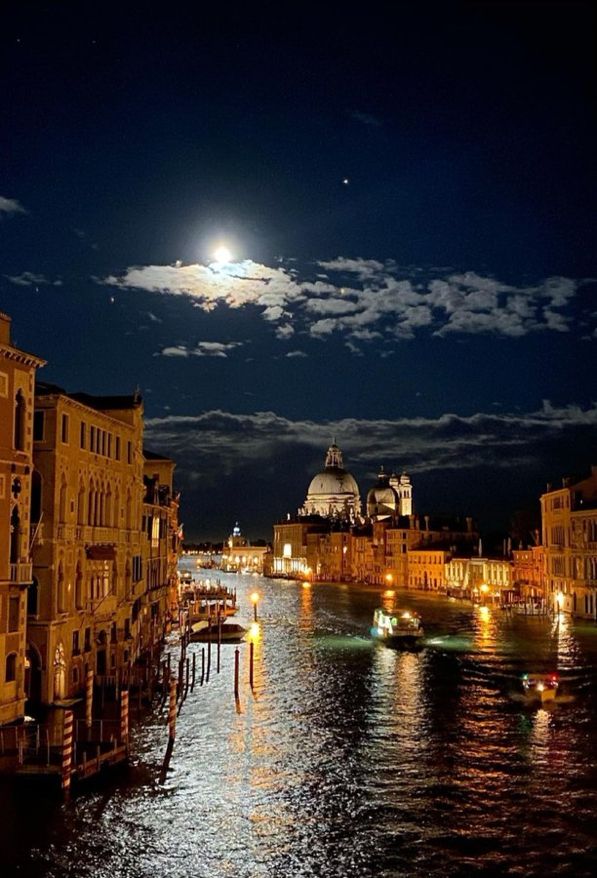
(347,758)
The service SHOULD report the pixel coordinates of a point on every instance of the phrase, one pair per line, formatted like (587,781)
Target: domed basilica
(334,493)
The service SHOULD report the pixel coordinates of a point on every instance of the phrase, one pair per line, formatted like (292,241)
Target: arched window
(19,431)
(116,514)
(11,668)
(99,520)
(60,599)
(129,511)
(91,504)
(79,597)
(81,504)
(62,501)
(35,497)
(108,507)
(15,536)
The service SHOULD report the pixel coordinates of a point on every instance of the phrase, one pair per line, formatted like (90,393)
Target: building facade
(17,383)
(87,594)
(569,536)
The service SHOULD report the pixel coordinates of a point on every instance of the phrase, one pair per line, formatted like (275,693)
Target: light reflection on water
(347,758)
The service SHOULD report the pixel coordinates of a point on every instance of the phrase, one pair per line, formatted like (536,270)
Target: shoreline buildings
(88,566)
(331,539)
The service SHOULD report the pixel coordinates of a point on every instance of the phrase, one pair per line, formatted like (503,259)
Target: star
(345,181)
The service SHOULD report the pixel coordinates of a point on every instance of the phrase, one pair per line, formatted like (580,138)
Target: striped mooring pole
(67,750)
(124,717)
(88,698)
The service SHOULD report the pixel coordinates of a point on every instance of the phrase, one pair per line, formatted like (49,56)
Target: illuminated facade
(161,547)
(569,531)
(17,378)
(239,556)
(87,599)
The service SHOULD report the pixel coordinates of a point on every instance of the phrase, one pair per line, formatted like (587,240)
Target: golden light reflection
(484,625)
(254,631)
(305,619)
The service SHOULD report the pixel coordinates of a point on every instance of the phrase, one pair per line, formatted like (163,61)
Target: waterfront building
(427,568)
(333,492)
(239,556)
(330,540)
(17,381)
(528,573)
(569,535)
(161,547)
(88,587)
(476,578)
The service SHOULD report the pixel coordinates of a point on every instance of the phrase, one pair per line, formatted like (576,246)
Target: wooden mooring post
(172,709)
(89,698)
(67,751)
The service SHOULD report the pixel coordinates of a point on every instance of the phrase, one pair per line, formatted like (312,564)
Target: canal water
(348,759)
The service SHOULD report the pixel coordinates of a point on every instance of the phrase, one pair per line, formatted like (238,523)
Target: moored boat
(227,632)
(399,628)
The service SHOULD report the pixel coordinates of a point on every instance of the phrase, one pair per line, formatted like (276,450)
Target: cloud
(217,444)
(296,354)
(364,300)
(366,119)
(174,351)
(31,279)
(10,206)
(201,349)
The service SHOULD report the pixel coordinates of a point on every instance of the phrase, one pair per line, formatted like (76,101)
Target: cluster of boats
(403,629)
(207,606)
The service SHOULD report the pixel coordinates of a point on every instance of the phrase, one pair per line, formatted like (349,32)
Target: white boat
(398,628)
(227,632)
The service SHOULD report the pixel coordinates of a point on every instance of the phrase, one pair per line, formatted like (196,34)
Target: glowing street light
(255,601)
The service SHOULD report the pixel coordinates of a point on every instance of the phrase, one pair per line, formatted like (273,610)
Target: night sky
(407,195)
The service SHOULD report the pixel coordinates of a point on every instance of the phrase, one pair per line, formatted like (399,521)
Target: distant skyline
(407,195)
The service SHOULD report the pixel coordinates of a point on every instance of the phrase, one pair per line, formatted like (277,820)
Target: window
(137,568)
(76,648)
(33,598)
(109,452)
(13,614)
(83,434)
(19,425)
(64,428)
(11,667)
(38,426)
(92,438)
(117,448)
(87,644)
(129,452)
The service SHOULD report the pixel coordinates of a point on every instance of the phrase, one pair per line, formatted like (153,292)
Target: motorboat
(398,628)
(226,632)
(186,577)
(540,687)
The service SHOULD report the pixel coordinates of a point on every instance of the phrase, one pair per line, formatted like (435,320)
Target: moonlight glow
(222,254)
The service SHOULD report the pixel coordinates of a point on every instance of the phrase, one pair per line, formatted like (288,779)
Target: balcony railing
(22,573)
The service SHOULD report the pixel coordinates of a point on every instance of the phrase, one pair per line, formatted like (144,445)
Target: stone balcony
(21,573)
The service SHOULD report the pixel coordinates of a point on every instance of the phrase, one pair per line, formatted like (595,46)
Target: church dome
(382,499)
(334,490)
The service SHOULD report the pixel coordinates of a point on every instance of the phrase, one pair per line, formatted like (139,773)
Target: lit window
(287,552)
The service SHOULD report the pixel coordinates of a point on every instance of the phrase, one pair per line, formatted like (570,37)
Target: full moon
(223,254)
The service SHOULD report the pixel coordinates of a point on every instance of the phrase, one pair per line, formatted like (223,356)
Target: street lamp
(255,601)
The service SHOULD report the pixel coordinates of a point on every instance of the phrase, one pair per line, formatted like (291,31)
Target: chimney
(5,322)
(426,517)
(469,524)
